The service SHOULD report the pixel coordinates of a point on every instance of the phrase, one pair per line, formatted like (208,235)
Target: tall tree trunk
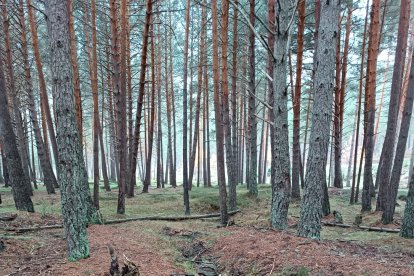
(169,127)
(206,162)
(193,149)
(388,214)
(174,156)
(185,153)
(49,176)
(77,207)
(120,97)
(24,158)
(252,182)
(112,129)
(134,151)
(387,153)
(352,199)
(118,111)
(311,211)
(235,149)
(296,103)
(42,82)
(101,136)
(75,70)
(221,176)
(207,114)
(370,91)
(96,123)
(338,148)
(231,163)
(147,179)
(270,68)
(160,165)
(10,154)
(335,146)
(280,150)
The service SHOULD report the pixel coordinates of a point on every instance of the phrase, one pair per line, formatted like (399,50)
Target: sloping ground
(248,251)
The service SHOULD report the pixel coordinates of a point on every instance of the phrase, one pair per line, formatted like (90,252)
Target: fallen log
(361,227)
(32,229)
(154,218)
(175,218)
(8,217)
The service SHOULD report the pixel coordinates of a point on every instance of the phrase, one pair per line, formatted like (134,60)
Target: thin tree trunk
(185,135)
(296,103)
(75,70)
(42,82)
(10,154)
(15,102)
(231,162)
(352,199)
(221,177)
(118,106)
(369,109)
(170,161)
(252,182)
(96,123)
(388,214)
(147,179)
(335,145)
(134,152)
(235,149)
(193,149)
(101,138)
(387,153)
(49,176)
(160,167)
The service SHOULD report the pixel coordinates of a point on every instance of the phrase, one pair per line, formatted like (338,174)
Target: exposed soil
(263,252)
(171,248)
(238,251)
(23,256)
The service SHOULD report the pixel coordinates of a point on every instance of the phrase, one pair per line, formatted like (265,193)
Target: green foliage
(297,271)
(44,209)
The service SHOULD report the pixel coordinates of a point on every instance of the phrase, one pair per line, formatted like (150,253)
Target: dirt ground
(248,247)
(237,250)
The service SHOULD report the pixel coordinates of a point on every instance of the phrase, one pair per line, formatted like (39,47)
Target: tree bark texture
(324,85)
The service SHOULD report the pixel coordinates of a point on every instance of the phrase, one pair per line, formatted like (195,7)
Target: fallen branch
(32,229)
(176,218)
(366,228)
(155,218)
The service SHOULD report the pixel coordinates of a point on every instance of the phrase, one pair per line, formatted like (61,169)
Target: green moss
(297,271)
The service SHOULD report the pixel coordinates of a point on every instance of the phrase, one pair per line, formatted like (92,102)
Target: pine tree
(324,85)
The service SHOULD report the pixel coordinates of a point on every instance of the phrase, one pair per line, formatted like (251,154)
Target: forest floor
(248,247)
